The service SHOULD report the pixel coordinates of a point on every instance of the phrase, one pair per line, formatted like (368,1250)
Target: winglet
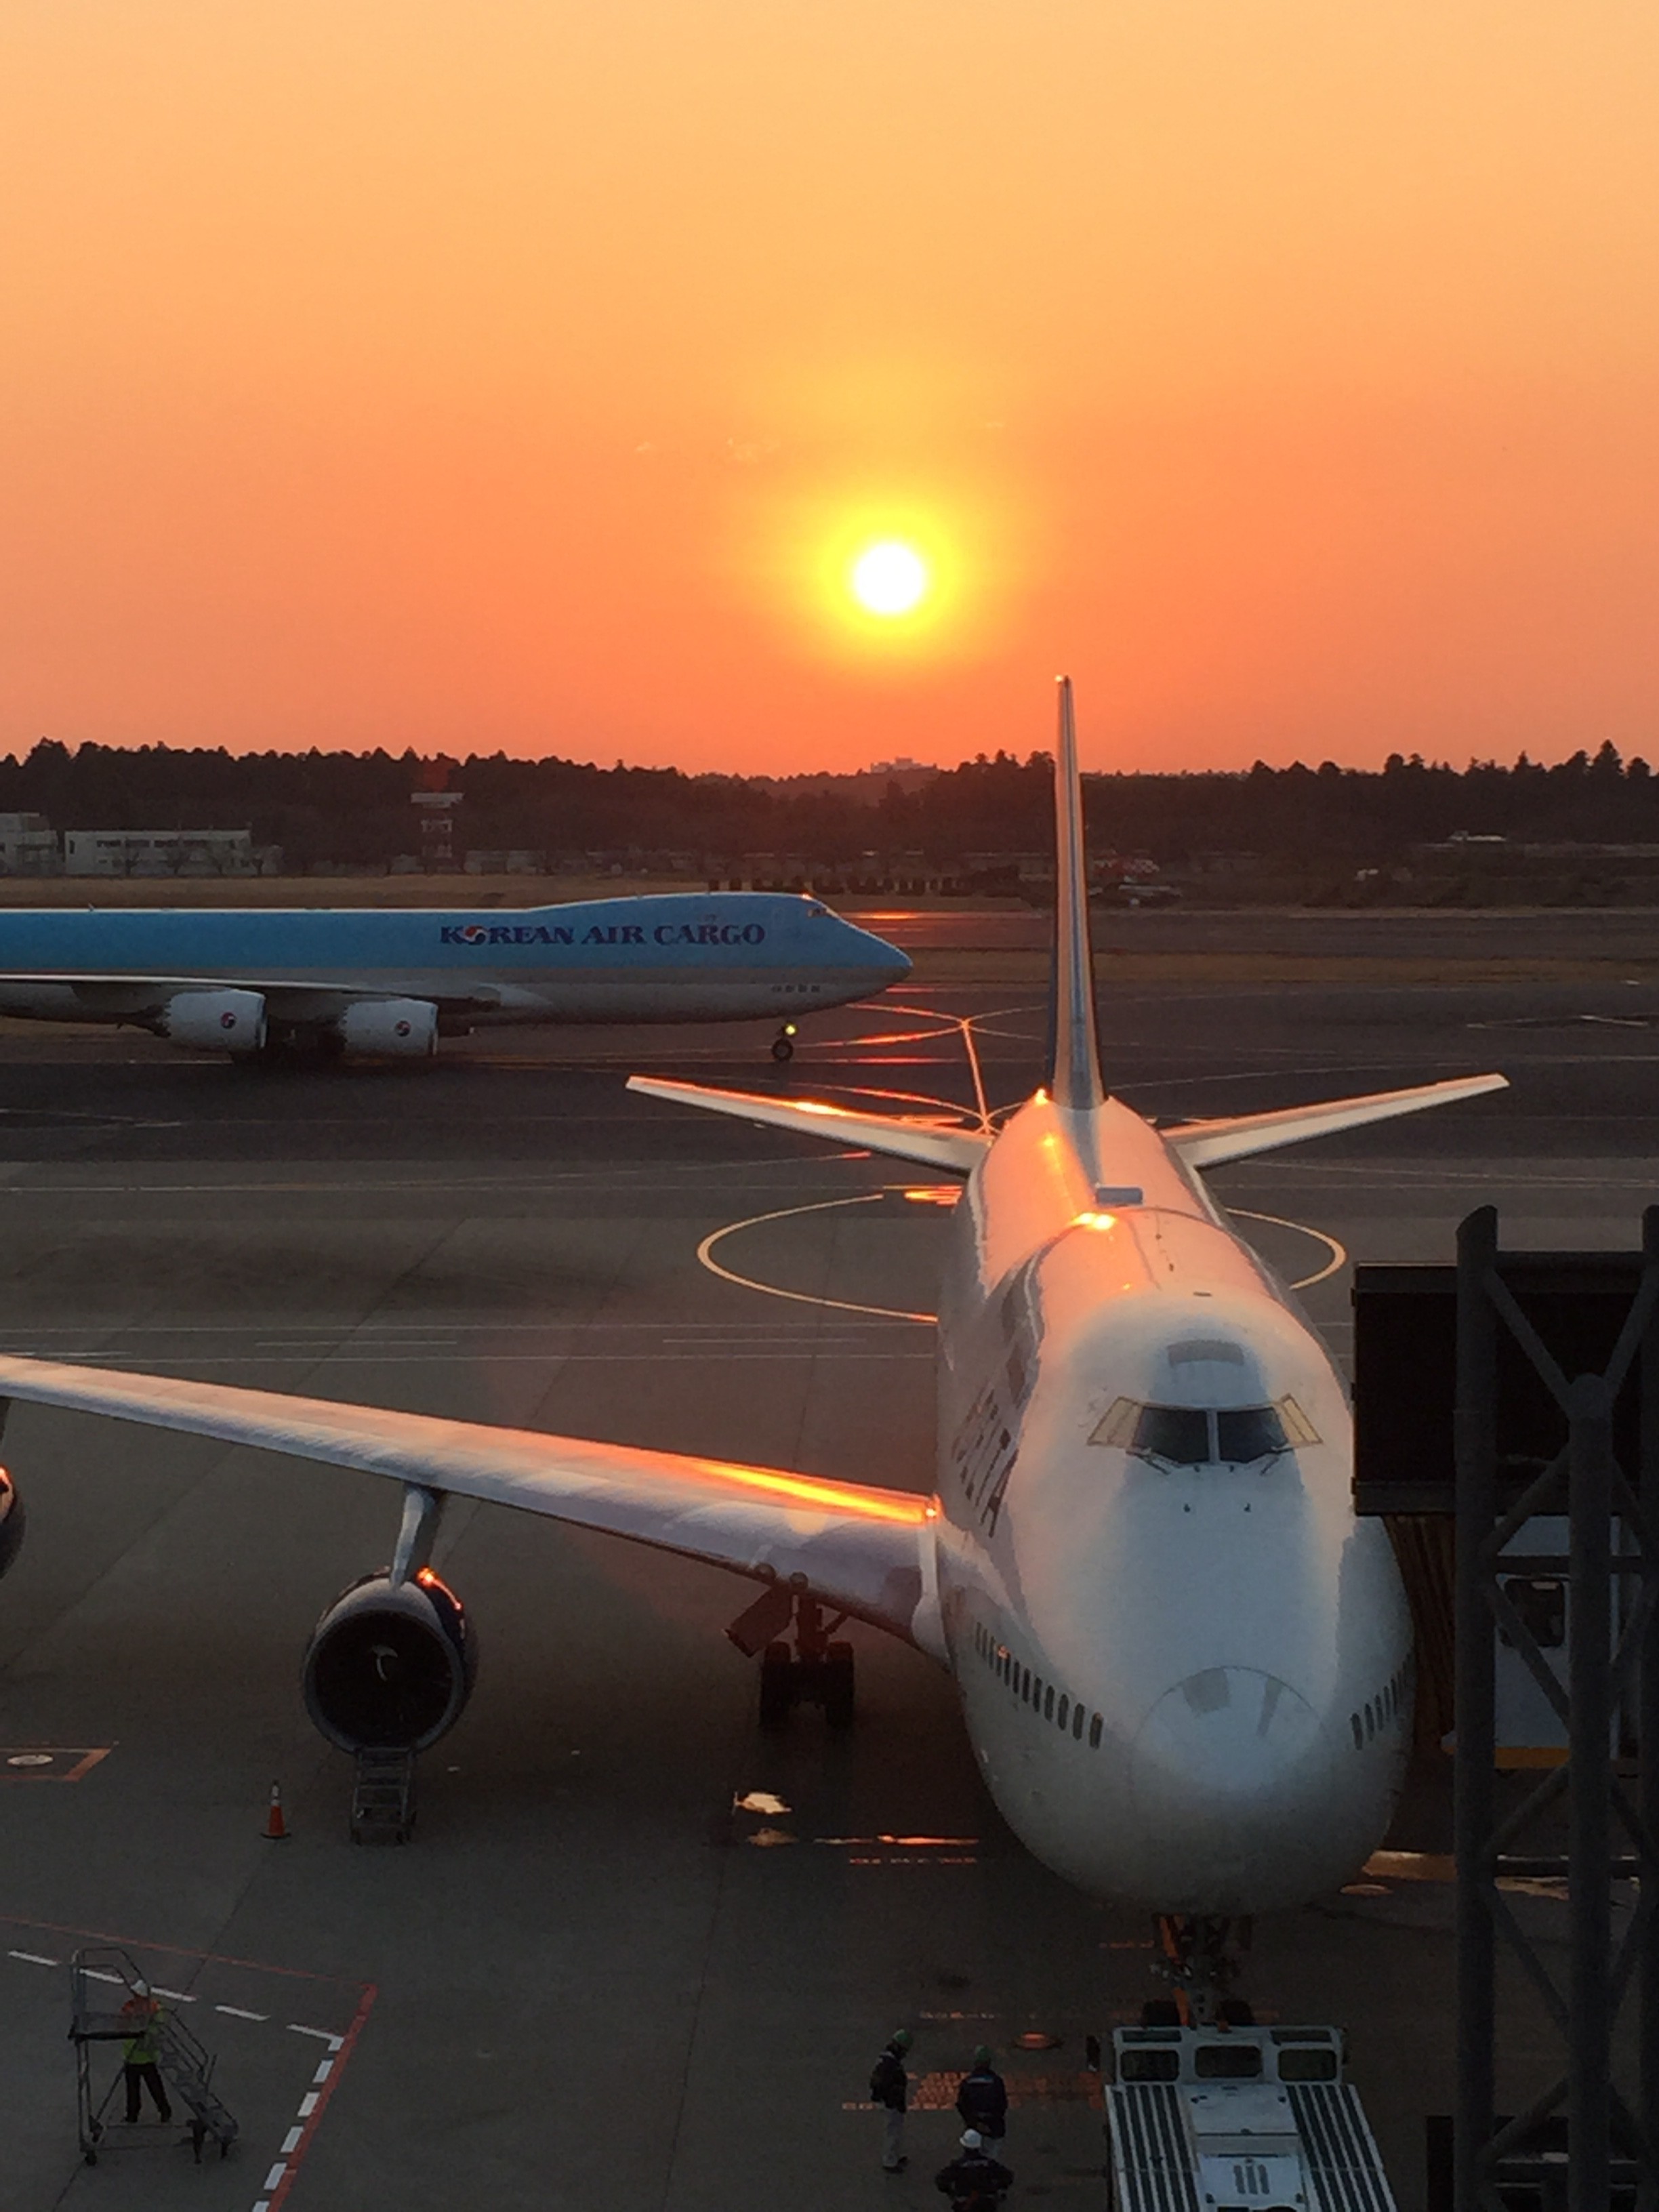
(1075,1082)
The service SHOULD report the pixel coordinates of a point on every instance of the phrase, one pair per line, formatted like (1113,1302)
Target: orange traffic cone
(276,1826)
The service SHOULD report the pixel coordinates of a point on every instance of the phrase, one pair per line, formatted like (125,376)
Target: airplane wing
(957,1150)
(1207,1144)
(865,1552)
(104,993)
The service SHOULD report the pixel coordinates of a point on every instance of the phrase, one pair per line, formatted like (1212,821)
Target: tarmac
(598,1976)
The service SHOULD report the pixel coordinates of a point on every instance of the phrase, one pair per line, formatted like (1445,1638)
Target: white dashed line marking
(308,2106)
(279,2176)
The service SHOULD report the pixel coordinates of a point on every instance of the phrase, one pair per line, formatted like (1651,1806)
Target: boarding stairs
(383,1801)
(107,2006)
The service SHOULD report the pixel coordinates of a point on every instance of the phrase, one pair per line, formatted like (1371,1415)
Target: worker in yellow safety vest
(139,2053)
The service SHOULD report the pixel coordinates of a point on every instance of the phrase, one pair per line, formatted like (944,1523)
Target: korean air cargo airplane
(335,981)
(1184,1665)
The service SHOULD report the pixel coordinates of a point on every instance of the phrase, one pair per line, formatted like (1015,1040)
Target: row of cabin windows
(1068,1714)
(1378,1712)
(1189,1436)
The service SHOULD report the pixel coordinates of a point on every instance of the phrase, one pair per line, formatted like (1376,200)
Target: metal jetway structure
(1518,1391)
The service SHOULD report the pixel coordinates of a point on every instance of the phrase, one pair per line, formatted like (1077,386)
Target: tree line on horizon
(355,808)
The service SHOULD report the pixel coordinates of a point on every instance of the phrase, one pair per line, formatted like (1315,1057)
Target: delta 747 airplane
(390,982)
(1184,1665)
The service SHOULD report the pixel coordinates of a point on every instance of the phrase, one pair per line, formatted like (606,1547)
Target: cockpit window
(1175,1433)
(1252,1432)
(1188,1436)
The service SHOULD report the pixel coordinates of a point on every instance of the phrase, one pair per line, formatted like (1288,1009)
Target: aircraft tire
(777,1685)
(838,1687)
(783,1048)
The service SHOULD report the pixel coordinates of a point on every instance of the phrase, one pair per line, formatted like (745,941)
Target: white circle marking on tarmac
(705,1251)
(1338,1254)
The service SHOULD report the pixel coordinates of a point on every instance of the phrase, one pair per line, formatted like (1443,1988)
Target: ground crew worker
(982,2100)
(974,2183)
(889,2087)
(138,2054)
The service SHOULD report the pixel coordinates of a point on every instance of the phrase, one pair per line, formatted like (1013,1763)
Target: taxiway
(597,1974)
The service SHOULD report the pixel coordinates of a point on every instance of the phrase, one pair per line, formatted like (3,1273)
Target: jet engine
(407,1028)
(11,1521)
(390,1665)
(214,1021)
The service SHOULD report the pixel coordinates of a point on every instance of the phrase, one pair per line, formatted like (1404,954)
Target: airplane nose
(1233,1752)
(884,961)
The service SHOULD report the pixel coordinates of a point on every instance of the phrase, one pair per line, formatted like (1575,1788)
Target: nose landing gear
(783,1044)
(1202,1957)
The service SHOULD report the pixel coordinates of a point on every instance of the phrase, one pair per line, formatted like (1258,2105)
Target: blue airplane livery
(338,981)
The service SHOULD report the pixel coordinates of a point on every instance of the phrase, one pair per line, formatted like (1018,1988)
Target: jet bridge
(1239,2119)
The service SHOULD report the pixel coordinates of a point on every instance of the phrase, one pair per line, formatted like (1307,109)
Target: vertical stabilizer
(1075,1081)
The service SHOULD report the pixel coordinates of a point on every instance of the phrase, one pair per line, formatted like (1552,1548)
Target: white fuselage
(1237,1642)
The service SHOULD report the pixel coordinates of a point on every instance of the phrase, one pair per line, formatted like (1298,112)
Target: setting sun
(890,579)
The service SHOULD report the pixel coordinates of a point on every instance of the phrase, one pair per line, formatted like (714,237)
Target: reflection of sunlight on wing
(834,1496)
(940,1112)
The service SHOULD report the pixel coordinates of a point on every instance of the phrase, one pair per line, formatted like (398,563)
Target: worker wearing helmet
(889,2088)
(140,2052)
(975,2182)
(982,2100)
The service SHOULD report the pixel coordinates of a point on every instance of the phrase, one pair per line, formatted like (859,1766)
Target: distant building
(435,812)
(513,862)
(28,845)
(160,852)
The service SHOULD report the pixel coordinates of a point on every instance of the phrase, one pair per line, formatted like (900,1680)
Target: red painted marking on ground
(348,2044)
(184,1951)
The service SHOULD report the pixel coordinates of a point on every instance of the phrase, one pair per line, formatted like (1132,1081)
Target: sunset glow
(532,377)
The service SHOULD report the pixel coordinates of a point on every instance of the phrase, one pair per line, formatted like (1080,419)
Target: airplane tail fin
(1075,1079)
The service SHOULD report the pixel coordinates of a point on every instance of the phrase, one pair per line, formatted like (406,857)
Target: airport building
(28,845)
(162,853)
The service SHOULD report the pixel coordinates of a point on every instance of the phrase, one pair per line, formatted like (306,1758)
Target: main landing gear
(818,1671)
(1202,1957)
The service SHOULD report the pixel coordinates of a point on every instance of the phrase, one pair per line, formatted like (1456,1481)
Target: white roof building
(158,853)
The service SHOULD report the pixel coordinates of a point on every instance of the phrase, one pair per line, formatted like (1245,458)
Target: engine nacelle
(404,1028)
(11,1521)
(214,1021)
(390,1665)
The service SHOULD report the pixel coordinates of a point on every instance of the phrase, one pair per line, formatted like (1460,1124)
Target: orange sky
(522,374)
